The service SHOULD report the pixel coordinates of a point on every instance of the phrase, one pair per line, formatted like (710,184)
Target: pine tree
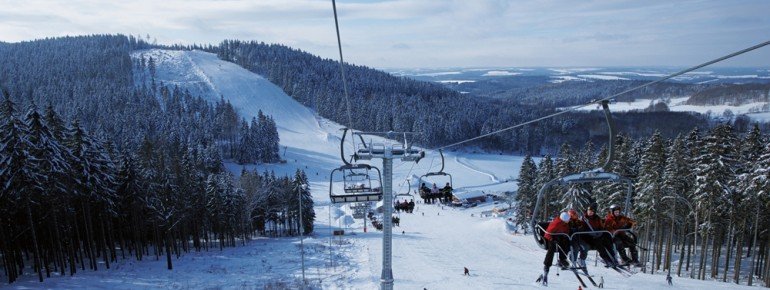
(526,194)
(575,196)
(675,186)
(47,156)
(649,185)
(545,173)
(758,196)
(19,180)
(744,197)
(648,205)
(301,189)
(713,185)
(611,192)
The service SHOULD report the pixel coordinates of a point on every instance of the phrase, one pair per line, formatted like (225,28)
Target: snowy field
(430,247)
(678,105)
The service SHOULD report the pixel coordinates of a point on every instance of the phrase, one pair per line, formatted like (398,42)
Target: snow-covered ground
(678,105)
(430,248)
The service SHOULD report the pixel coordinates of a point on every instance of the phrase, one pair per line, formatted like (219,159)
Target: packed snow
(430,247)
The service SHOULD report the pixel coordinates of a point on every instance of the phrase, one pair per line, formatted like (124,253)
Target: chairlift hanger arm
(611,127)
(342,146)
(441,152)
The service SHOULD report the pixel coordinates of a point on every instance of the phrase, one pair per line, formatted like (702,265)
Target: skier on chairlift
(602,241)
(578,244)
(447,192)
(618,224)
(557,240)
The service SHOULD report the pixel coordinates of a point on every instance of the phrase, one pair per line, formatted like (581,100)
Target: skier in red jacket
(617,224)
(557,239)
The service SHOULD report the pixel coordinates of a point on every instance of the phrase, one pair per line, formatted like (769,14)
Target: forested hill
(565,94)
(732,94)
(379,101)
(91,163)
(91,78)
(382,102)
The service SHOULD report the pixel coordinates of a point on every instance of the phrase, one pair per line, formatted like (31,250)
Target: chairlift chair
(360,182)
(407,194)
(428,175)
(592,176)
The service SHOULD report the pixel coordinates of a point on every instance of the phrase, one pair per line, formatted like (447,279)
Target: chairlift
(406,194)
(360,182)
(404,201)
(360,209)
(591,176)
(426,194)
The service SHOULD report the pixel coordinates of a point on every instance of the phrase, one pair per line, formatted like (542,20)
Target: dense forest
(540,92)
(698,195)
(732,94)
(114,169)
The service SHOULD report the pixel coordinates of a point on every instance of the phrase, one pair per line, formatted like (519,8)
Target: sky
(428,33)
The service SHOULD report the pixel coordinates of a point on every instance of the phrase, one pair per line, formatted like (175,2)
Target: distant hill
(731,94)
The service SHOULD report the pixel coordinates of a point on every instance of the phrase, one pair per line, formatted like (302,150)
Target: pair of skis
(583,271)
(624,270)
(543,279)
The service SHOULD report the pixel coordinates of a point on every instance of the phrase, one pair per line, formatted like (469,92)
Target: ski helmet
(564,216)
(615,207)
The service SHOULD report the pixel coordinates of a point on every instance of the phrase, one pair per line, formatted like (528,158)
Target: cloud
(426,33)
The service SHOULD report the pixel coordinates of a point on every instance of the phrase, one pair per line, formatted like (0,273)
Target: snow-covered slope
(312,142)
(431,246)
(205,75)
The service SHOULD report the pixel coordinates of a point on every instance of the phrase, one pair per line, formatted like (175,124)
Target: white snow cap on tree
(564,216)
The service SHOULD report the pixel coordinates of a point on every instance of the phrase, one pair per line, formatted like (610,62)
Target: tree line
(701,199)
(118,169)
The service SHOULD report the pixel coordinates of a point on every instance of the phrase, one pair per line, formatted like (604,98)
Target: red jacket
(618,222)
(556,226)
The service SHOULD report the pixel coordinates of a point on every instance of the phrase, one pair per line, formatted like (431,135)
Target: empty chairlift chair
(361,183)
